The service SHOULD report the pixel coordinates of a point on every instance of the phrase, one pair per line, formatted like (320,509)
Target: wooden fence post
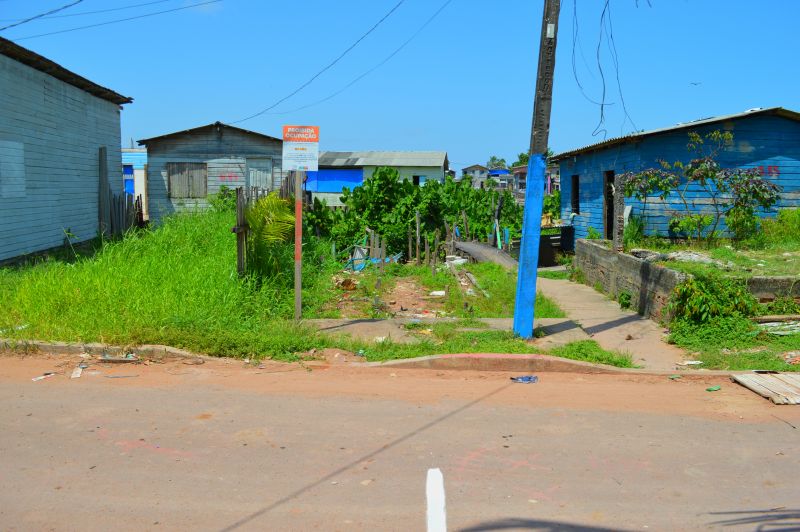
(410,254)
(241,233)
(418,237)
(435,252)
(427,251)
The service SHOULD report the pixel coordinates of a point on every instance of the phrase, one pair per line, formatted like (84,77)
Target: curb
(531,363)
(152,351)
(457,361)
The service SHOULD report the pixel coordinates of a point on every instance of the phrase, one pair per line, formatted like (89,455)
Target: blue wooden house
(767,139)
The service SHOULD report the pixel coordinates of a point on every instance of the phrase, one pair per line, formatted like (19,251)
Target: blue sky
(465,84)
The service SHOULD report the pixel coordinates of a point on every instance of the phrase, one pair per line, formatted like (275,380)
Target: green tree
(496,162)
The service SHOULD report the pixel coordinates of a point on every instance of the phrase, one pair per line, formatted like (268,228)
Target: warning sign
(300,148)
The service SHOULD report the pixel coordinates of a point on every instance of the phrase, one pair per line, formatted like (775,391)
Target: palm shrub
(271,222)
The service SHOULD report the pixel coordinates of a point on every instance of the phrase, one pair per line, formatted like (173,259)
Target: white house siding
(50,135)
(225,152)
(431,173)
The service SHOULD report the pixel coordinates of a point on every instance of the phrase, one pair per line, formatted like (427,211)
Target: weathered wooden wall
(761,141)
(225,152)
(50,133)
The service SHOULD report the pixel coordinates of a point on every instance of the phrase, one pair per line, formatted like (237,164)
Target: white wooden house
(53,123)
(185,167)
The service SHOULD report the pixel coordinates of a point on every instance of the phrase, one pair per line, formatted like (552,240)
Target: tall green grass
(176,284)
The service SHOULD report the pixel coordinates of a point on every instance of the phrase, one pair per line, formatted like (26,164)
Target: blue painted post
(529,247)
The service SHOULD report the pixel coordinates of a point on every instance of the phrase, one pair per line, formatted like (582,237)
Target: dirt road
(221,446)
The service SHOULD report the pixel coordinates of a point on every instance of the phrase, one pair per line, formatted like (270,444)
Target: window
(575,194)
(187,180)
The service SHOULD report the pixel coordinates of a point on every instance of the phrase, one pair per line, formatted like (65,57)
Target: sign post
(300,155)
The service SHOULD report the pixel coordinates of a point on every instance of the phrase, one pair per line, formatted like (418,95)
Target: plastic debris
(361,353)
(380,339)
(781,328)
(526,379)
(120,376)
(674,377)
(43,376)
(438,293)
(690,363)
(127,357)
(714,388)
(76,373)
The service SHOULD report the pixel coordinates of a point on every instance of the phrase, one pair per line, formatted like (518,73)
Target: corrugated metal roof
(779,111)
(42,64)
(207,126)
(383,158)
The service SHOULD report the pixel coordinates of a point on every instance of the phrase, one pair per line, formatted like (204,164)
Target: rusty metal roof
(201,128)
(42,64)
(383,158)
(633,137)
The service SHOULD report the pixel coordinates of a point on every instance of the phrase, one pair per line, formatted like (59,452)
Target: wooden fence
(116,212)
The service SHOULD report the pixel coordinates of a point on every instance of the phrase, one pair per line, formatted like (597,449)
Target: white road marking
(434,491)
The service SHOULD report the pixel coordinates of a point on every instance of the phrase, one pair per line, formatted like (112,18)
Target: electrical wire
(615,58)
(374,68)
(40,15)
(575,46)
(118,20)
(327,67)
(600,129)
(104,10)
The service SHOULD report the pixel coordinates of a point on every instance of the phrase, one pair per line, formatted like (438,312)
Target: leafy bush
(721,332)
(783,229)
(782,305)
(700,299)
(271,224)
(552,205)
(224,200)
(633,234)
(594,234)
(624,299)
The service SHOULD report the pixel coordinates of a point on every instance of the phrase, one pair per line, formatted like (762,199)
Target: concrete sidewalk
(612,327)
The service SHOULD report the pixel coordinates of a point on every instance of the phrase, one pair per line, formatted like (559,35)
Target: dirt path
(605,322)
(222,446)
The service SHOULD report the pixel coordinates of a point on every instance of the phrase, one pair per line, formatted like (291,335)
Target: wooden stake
(418,237)
(298,244)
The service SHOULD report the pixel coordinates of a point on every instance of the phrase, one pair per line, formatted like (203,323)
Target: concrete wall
(649,285)
(226,153)
(50,134)
(430,173)
(769,143)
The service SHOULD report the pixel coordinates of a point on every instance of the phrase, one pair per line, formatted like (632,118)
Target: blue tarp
(334,180)
(498,171)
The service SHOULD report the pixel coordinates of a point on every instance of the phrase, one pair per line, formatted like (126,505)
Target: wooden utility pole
(416,214)
(298,244)
(537,165)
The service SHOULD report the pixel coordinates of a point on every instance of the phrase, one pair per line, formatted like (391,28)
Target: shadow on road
(534,524)
(774,519)
(600,327)
(384,448)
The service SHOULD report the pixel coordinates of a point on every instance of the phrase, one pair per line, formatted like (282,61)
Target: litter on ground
(43,376)
(526,379)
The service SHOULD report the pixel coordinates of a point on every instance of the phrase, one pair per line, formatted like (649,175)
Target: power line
(105,10)
(40,15)
(318,74)
(615,59)
(365,74)
(119,20)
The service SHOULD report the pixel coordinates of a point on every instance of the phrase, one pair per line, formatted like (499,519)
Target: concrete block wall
(649,285)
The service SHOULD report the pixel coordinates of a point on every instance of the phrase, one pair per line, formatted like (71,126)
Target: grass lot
(734,343)
(177,285)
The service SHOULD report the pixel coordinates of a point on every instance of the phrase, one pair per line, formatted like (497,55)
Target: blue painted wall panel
(770,143)
(334,180)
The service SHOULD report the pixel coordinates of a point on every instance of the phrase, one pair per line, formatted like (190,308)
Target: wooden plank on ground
(780,388)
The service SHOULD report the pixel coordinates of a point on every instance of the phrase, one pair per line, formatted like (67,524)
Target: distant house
(477,173)
(766,139)
(338,170)
(53,124)
(503,177)
(185,167)
(134,166)
(552,181)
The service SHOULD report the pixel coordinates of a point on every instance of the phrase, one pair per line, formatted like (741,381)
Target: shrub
(633,234)
(783,229)
(594,234)
(700,299)
(624,299)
